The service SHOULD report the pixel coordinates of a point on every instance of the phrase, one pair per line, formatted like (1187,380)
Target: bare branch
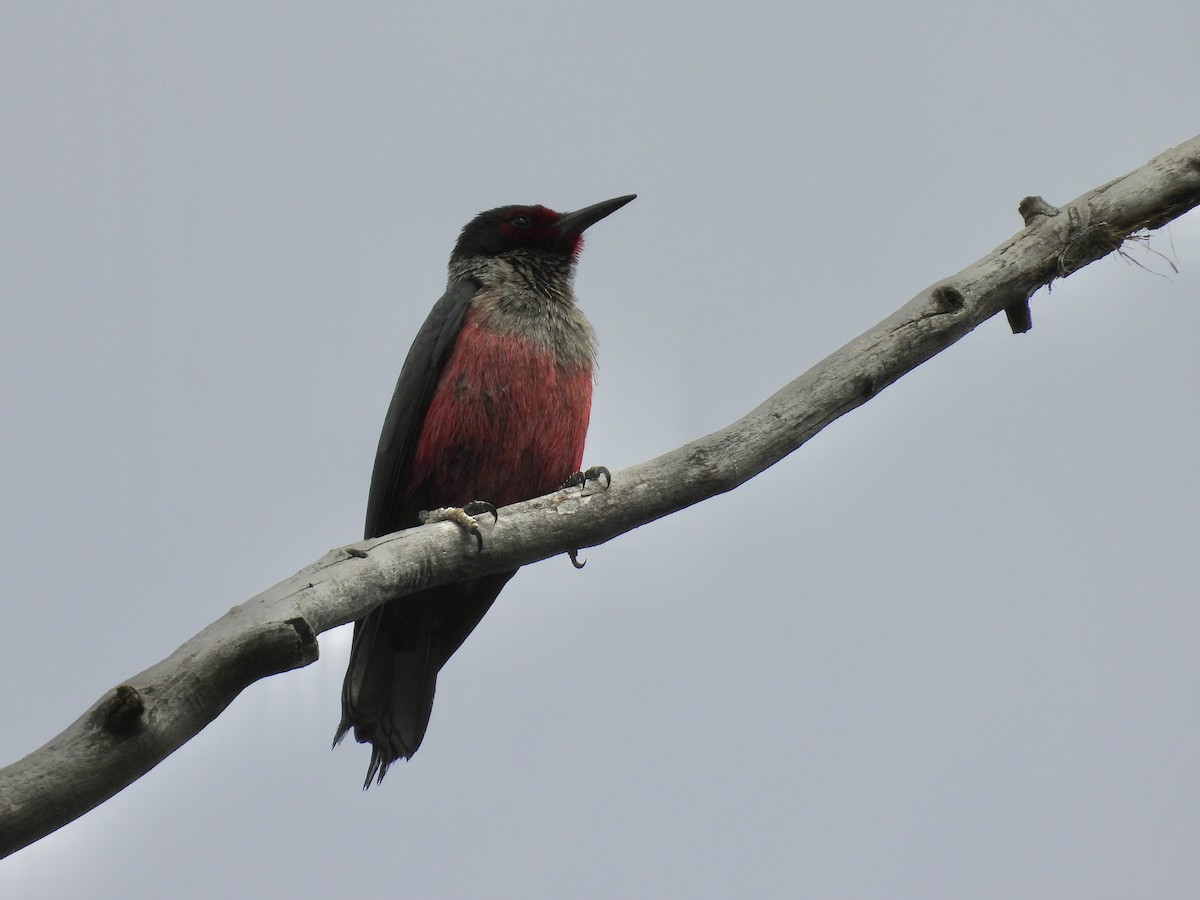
(134,726)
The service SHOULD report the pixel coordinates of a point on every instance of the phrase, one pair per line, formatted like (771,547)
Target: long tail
(398,650)
(387,695)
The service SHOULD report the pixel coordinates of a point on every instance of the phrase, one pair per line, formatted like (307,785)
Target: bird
(491,408)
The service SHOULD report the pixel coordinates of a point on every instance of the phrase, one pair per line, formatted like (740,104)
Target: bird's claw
(593,473)
(475,507)
(463,517)
(580,480)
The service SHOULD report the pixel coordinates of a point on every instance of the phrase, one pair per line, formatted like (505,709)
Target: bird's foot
(580,480)
(594,473)
(463,517)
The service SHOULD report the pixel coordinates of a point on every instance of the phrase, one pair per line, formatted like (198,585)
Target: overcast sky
(948,649)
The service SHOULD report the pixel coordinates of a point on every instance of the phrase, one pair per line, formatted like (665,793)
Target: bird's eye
(521,221)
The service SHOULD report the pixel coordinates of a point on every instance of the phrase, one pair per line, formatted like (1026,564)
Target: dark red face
(516,227)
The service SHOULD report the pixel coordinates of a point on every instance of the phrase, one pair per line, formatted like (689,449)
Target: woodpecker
(492,402)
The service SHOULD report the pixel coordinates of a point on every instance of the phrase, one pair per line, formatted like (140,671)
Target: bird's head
(508,228)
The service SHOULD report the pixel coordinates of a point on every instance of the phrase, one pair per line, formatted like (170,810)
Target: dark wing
(387,507)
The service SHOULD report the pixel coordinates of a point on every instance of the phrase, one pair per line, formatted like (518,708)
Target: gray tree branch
(137,724)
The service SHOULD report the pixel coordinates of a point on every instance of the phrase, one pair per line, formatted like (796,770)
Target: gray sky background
(949,649)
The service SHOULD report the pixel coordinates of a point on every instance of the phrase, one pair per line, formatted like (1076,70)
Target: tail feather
(387,695)
(398,650)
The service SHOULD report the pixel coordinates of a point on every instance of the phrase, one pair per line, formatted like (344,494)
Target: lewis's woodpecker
(492,404)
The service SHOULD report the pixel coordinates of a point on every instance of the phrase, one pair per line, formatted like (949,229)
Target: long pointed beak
(574,223)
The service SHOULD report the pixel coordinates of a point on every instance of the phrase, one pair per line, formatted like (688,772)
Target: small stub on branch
(1020,317)
(1034,208)
(949,299)
(304,631)
(123,711)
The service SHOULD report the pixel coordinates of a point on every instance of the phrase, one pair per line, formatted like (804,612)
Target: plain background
(948,649)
